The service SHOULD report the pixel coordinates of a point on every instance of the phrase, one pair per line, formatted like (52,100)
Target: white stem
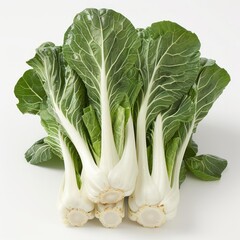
(146,191)
(180,155)
(127,166)
(109,156)
(70,181)
(75,208)
(142,144)
(79,143)
(95,180)
(159,168)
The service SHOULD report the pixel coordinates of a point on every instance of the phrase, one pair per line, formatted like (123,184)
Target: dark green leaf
(183,173)
(192,150)
(168,65)
(206,167)
(101,46)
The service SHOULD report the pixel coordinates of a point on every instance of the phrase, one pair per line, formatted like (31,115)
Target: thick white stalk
(159,167)
(170,203)
(74,206)
(109,156)
(74,135)
(77,140)
(145,205)
(70,180)
(171,199)
(141,143)
(146,191)
(124,174)
(180,155)
(95,180)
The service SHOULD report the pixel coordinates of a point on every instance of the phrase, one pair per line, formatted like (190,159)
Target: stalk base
(76,217)
(149,216)
(110,215)
(111,196)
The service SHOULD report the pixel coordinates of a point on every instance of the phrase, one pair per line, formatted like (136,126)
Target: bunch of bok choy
(119,106)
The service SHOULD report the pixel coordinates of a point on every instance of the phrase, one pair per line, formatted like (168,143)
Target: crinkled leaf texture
(101,46)
(30,92)
(101,132)
(61,106)
(168,67)
(171,135)
(206,167)
(40,152)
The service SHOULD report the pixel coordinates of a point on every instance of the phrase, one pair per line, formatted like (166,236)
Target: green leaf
(171,152)
(101,46)
(150,157)
(206,167)
(30,93)
(210,84)
(53,129)
(66,98)
(180,112)
(40,152)
(119,122)
(65,90)
(55,134)
(168,65)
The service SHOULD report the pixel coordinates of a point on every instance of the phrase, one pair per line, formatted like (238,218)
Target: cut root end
(76,217)
(110,219)
(149,216)
(110,215)
(111,196)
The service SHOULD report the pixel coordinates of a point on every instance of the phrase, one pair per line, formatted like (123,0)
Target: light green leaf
(40,152)
(206,167)
(183,173)
(171,152)
(119,121)
(93,127)
(30,93)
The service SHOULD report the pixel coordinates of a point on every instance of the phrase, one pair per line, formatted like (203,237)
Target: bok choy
(119,106)
(55,93)
(156,196)
(101,46)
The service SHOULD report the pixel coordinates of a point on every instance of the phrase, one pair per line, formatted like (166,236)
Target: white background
(208,210)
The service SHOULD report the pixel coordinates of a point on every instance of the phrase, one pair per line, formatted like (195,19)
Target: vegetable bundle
(120,106)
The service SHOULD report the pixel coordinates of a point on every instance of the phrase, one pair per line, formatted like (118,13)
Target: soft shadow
(222,140)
